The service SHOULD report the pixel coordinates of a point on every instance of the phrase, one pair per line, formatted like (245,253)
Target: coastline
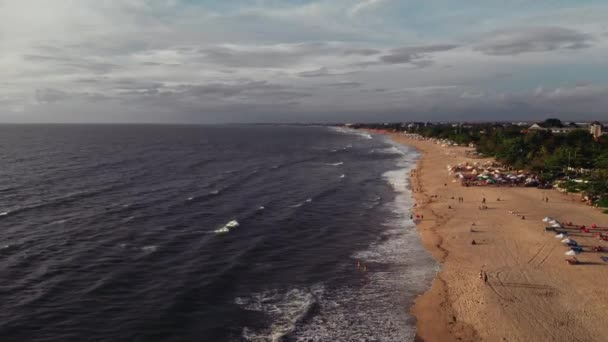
(532,293)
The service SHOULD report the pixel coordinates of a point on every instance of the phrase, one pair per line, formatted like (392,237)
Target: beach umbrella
(559,236)
(547,219)
(571,253)
(556,225)
(568,241)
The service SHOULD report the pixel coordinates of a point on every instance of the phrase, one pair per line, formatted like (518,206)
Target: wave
(67,199)
(344,130)
(284,311)
(149,249)
(227,227)
(342,176)
(302,203)
(335,164)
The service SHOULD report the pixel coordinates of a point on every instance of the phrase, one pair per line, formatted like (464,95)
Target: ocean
(206,233)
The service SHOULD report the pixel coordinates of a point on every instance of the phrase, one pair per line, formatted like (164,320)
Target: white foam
(227,227)
(342,176)
(149,249)
(4,213)
(351,131)
(284,311)
(261,207)
(190,198)
(336,164)
(214,192)
(301,203)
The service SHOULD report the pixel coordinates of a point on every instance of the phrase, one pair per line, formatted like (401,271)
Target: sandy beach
(532,293)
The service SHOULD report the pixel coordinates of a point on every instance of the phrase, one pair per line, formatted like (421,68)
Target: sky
(216,61)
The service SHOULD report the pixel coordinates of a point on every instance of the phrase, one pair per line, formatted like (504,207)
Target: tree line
(553,157)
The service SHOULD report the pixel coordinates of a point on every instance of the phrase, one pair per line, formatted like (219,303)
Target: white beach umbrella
(571,253)
(568,240)
(560,236)
(556,225)
(547,219)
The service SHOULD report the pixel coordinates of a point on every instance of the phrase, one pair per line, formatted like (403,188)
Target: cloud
(419,56)
(323,72)
(345,84)
(533,39)
(413,53)
(50,96)
(178,60)
(364,5)
(362,52)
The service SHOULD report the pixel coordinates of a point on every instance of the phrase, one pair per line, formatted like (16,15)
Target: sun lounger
(549,229)
(604,259)
(576,248)
(572,261)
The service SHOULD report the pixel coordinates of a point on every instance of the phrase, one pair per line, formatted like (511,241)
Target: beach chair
(604,259)
(549,229)
(572,261)
(577,248)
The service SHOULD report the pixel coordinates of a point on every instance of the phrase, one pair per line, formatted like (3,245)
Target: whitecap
(227,227)
(149,249)
(190,198)
(214,192)
(285,310)
(335,164)
(342,176)
(4,213)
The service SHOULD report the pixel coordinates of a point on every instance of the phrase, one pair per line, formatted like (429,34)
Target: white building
(596,130)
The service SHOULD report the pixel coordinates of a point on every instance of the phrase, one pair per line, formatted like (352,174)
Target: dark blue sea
(206,233)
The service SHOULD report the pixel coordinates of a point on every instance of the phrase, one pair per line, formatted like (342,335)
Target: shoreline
(532,293)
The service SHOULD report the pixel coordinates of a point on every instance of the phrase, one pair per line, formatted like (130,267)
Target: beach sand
(532,294)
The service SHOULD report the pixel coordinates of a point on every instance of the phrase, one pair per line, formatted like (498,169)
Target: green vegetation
(575,155)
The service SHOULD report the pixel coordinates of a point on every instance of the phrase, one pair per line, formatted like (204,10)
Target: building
(596,130)
(554,130)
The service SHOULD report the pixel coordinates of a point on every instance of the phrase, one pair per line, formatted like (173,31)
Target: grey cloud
(253,89)
(533,39)
(361,52)
(345,85)
(413,53)
(72,63)
(44,58)
(323,72)
(50,96)
(419,56)
(265,57)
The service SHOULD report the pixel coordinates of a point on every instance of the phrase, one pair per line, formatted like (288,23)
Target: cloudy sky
(209,61)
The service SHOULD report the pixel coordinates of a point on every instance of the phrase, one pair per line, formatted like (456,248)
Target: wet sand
(532,293)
